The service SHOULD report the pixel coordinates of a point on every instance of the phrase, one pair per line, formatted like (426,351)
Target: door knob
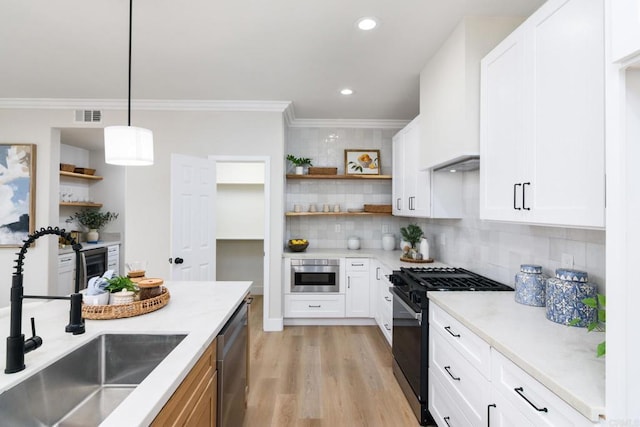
(178,260)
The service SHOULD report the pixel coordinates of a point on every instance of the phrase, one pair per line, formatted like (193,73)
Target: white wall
(146,189)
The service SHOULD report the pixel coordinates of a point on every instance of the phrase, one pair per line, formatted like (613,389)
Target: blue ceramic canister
(530,285)
(564,297)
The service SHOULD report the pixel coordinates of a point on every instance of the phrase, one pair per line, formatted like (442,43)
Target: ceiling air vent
(88,116)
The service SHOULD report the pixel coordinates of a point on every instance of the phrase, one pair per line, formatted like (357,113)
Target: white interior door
(193,243)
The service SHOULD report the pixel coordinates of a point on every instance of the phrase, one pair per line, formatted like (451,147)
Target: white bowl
(101,299)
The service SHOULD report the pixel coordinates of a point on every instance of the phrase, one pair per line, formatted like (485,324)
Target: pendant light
(128,145)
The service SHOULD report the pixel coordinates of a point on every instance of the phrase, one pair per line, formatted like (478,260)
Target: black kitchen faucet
(17,346)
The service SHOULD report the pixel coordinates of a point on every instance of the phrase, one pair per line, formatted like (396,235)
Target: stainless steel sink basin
(86,385)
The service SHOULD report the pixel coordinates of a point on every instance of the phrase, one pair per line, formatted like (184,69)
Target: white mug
(326,207)
(312,208)
(336,208)
(297,208)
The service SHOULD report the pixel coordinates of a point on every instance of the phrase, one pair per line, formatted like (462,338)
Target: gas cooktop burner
(449,279)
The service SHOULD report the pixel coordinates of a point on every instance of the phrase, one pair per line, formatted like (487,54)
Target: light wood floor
(322,376)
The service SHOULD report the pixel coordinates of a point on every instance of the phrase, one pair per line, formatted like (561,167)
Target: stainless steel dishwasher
(232,369)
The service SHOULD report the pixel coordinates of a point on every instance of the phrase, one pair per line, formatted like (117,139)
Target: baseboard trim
(330,322)
(273,324)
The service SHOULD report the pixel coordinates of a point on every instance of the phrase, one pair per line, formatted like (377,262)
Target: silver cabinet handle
(386,326)
(357,264)
(387,299)
(315,306)
(398,204)
(377,273)
(348,282)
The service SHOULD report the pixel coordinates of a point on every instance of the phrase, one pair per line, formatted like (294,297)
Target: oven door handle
(417,316)
(83,271)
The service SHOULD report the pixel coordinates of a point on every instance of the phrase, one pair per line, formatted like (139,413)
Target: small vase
(299,170)
(388,242)
(92,235)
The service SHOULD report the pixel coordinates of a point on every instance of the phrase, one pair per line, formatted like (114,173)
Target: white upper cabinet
(411,186)
(417,192)
(542,119)
(450,90)
(625,28)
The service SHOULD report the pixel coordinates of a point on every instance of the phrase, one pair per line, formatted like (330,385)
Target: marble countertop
(560,357)
(199,309)
(391,259)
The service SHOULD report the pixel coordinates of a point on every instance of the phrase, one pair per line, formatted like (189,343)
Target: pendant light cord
(130,26)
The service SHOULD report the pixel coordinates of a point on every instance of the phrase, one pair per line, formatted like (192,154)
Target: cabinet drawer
(472,347)
(443,407)
(113,250)
(526,394)
(357,264)
(464,383)
(314,305)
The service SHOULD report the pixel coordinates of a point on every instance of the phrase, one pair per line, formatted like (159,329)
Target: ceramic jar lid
(531,268)
(572,275)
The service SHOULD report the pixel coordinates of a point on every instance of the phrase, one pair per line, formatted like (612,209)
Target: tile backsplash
(494,249)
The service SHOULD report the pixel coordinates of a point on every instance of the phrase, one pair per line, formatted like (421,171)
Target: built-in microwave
(315,275)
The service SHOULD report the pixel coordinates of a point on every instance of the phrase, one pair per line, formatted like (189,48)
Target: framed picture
(362,162)
(17,193)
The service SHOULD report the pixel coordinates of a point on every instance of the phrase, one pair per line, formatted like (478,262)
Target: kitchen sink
(86,385)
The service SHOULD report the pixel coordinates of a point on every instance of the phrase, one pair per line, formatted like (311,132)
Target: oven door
(94,264)
(410,343)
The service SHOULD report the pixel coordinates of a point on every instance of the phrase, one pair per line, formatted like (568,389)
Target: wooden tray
(377,208)
(315,170)
(417,261)
(136,308)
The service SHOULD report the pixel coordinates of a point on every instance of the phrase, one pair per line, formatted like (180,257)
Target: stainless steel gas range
(411,328)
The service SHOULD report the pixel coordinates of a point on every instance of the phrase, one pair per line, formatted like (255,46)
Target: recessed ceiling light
(367,23)
(346,91)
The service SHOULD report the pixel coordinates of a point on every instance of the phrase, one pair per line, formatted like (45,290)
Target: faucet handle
(33,342)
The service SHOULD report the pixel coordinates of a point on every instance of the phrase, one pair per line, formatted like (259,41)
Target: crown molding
(349,123)
(144,104)
(284,107)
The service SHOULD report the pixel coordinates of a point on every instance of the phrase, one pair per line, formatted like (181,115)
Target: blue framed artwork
(17,193)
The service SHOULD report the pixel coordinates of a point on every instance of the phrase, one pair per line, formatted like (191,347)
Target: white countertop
(87,246)
(391,259)
(199,309)
(563,358)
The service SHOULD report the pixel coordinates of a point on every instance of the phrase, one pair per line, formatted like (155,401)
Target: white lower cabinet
(485,392)
(383,301)
(534,401)
(113,259)
(443,406)
(314,305)
(357,287)
(66,273)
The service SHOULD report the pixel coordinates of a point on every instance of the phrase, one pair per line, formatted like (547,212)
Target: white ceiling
(303,51)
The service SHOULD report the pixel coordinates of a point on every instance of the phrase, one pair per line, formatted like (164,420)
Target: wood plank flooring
(313,376)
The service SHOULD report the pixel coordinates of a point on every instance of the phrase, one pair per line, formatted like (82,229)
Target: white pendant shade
(128,146)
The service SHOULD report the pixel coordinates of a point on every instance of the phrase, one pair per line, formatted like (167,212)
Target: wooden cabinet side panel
(180,407)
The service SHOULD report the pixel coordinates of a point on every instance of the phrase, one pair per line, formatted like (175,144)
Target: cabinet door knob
(178,260)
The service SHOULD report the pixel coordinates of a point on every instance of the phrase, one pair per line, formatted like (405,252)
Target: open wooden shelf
(294,176)
(345,213)
(82,204)
(81,176)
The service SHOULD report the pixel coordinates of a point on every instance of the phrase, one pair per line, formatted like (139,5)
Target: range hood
(460,164)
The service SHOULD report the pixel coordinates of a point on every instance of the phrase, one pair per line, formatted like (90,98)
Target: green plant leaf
(602,349)
(602,315)
(602,300)
(592,325)
(574,322)
(119,283)
(590,302)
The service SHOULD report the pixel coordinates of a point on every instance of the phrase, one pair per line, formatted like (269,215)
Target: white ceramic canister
(353,242)
(530,285)
(388,242)
(424,248)
(564,295)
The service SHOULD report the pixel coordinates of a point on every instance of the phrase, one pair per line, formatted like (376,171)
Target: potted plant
(299,163)
(411,234)
(93,220)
